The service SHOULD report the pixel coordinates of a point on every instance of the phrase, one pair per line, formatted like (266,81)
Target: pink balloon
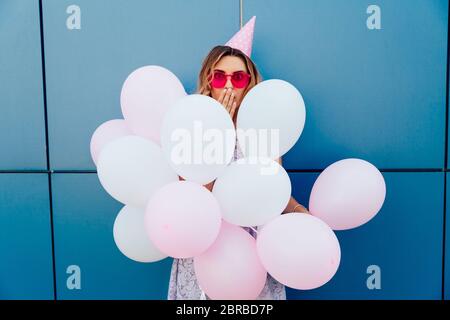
(105,133)
(183,219)
(146,95)
(299,250)
(348,194)
(230,269)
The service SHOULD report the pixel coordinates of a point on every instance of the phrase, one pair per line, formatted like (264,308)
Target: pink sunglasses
(239,79)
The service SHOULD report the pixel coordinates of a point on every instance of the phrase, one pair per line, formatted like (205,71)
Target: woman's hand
(228,100)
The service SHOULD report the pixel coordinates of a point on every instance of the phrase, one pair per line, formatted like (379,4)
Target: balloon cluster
(157,160)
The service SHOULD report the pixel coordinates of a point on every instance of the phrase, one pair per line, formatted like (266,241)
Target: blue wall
(379,95)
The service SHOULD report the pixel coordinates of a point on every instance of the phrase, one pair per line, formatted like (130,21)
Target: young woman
(227,75)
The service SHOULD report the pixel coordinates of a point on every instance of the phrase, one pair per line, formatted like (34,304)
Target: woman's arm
(293,205)
(208,186)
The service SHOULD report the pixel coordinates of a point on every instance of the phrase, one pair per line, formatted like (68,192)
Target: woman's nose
(229,84)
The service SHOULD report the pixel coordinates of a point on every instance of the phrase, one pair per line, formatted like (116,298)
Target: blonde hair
(214,57)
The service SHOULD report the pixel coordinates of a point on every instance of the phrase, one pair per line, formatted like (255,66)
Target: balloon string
(254,229)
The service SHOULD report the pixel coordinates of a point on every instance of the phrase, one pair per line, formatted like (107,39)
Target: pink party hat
(243,39)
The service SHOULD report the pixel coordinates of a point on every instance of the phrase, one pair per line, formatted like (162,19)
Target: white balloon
(132,168)
(251,192)
(131,237)
(198,138)
(271,119)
